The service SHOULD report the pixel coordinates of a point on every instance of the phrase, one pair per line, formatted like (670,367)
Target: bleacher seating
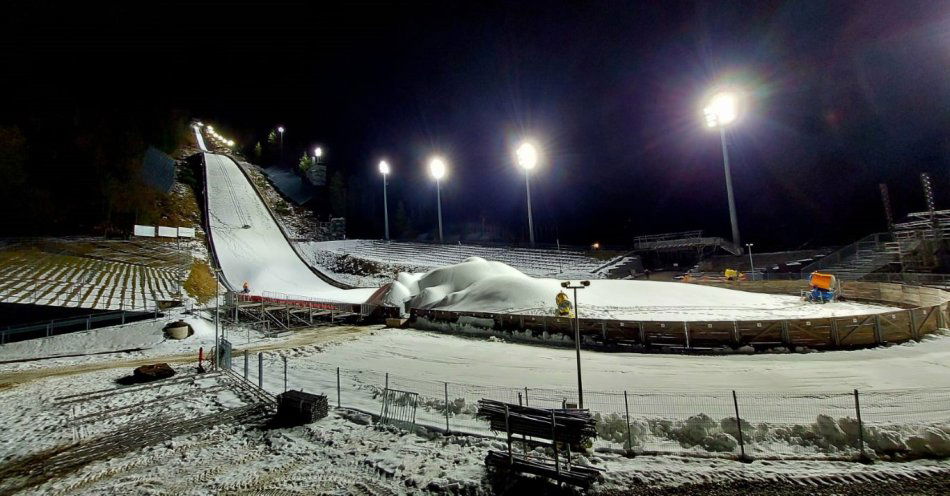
(535,262)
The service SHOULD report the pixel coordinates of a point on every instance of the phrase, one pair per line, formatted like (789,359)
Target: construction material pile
(297,407)
(571,426)
(577,475)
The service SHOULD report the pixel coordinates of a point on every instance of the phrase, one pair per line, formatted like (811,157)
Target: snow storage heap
(474,283)
(478,285)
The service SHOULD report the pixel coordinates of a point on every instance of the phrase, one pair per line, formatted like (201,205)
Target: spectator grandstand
(424,256)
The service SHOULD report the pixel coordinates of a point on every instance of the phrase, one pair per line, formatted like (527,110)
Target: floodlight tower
(437,169)
(384,170)
(720,112)
(527,156)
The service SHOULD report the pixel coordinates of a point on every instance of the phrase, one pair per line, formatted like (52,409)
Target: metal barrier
(844,424)
(82,323)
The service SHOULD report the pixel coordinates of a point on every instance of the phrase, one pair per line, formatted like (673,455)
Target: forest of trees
(78,170)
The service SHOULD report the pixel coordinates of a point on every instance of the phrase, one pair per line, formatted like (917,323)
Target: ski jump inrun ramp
(250,246)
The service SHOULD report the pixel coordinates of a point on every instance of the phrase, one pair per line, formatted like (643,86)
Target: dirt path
(308,337)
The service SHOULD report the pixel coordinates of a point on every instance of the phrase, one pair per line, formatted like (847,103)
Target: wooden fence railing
(923,311)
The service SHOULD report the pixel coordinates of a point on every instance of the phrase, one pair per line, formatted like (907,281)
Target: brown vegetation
(201,284)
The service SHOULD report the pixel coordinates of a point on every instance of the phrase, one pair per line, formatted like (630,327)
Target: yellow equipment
(732,274)
(564,306)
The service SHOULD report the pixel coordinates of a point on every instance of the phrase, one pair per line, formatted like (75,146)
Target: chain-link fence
(811,425)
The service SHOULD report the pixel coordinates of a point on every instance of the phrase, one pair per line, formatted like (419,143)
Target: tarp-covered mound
(478,285)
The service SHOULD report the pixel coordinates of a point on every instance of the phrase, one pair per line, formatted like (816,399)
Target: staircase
(873,253)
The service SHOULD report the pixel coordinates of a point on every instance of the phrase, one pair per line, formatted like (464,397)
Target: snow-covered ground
(677,403)
(477,285)
(249,244)
(797,405)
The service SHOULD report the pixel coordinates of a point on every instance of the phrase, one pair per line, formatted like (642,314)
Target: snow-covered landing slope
(249,244)
(478,285)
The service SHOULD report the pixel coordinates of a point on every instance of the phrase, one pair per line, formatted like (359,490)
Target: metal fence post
(857,409)
(88,322)
(735,402)
(525,396)
(446,407)
(260,370)
(338,387)
(285,374)
(245,365)
(626,407)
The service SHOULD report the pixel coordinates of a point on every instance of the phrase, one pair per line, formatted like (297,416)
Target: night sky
(839,96)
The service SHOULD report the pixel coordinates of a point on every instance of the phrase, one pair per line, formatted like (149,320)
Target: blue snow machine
(822,288)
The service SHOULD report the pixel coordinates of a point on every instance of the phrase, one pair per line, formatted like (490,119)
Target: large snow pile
(479,285)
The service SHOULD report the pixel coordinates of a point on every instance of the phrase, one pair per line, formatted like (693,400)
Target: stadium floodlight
(437,169)
(318,152)
(527,156)
(722,110)
(384,170)
(577,336)
(280,129)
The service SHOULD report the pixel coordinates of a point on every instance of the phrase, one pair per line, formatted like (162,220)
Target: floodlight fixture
(527,155)
(722,109)
(437,168)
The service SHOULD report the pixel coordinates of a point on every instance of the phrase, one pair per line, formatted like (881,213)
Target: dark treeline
(77,170)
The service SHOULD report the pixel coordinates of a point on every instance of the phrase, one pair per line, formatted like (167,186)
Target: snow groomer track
(922,310)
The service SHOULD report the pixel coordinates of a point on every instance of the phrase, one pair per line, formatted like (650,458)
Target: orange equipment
(822,281)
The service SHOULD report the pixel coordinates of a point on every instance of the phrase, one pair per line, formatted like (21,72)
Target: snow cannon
(822,288)
(564,306)
(733,275)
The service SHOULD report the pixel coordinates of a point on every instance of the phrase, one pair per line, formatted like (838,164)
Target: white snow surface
(478,285)
(259,253)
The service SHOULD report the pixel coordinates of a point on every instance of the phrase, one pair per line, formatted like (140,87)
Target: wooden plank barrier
(923,310)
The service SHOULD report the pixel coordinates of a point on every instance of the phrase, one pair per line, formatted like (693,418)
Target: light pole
(527,156)
(437,169)
(722,110)
(280,141)
(217,315)
(577,337)
(384,170)
(751,263)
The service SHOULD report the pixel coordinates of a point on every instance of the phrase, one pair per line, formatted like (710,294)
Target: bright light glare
(722,109)
(383,167)
(437,168)
(230,142)
(211,129)
(280,129)
(527,155)
(318,152)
